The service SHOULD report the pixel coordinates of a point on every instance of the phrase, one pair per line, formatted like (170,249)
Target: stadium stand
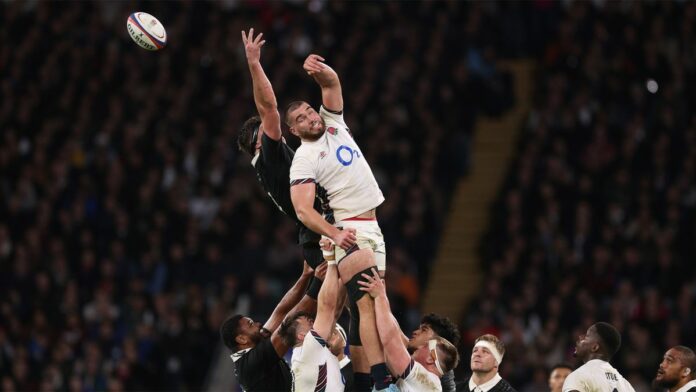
(129,224)
(597,218)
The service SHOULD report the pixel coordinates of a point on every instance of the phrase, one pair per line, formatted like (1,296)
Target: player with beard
(595,349)
(329,164)
(258,351)
(262,138)
(486,357)
(677,372)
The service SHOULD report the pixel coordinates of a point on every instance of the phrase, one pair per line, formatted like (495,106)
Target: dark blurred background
(131,226)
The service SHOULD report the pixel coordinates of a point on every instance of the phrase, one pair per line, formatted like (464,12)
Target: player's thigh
(312,254)
(355,262)
(368,237)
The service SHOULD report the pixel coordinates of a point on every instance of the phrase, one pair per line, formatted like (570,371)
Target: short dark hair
(688,359)
(442,326)
(245,140)
(230,330)
(292,106)
(610,338)
(288,328)
(561,365)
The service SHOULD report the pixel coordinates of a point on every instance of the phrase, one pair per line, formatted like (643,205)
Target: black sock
(381,375)
(363,382)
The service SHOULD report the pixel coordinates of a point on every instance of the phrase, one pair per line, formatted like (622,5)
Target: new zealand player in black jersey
(258,351)
(262,138)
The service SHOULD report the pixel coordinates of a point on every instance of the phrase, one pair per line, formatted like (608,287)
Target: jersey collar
(687,386)
(487,386)
(235,357)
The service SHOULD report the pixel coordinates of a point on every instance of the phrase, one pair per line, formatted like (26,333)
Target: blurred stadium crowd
(130,225)
(597,218)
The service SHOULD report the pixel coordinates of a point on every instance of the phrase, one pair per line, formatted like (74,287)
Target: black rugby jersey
(261,369)
(273,172)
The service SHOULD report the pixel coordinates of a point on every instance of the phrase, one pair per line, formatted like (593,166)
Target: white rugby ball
(146,31)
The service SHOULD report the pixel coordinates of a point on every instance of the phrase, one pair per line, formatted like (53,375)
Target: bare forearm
(290,299)
(386,324)
(331,93)
(329,291)
(315,222)
(327,79)
(264,97)
(325,319)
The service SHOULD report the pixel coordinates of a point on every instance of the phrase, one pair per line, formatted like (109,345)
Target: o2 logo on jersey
(345,155)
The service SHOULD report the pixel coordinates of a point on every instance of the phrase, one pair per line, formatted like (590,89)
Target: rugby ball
(146,31)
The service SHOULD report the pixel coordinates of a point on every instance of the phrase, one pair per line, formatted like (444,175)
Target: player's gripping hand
(345,238)
(320,271)
(307,270)
(373,285)
(252,45)
(327,250)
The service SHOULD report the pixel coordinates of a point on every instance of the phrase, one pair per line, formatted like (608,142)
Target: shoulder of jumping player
(334,121)
(275,150)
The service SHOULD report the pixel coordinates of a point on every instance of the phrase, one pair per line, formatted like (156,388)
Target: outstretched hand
(252,45)
(314,64)
(373,285)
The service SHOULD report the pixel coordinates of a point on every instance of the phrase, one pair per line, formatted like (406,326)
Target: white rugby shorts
(369,236)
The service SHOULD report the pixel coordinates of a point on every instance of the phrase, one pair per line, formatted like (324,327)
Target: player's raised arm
(264,97)
(291,298)
(327,78)
(390,333)
(326,303)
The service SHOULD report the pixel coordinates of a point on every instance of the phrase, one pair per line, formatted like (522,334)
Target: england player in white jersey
(421,371)
(595,349)
(330,164)
(314,366)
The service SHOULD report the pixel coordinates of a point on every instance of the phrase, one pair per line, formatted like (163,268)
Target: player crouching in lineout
(330,164)
(314,366)
(258,351)
(421,371)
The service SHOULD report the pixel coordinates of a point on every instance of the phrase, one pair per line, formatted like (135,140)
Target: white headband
(432,346)
(491,347)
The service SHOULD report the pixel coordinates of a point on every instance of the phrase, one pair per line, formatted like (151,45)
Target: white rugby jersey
(416,378)
(596,375)
(336,164)
(314,368)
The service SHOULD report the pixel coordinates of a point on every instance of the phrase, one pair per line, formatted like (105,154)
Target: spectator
(597,212)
